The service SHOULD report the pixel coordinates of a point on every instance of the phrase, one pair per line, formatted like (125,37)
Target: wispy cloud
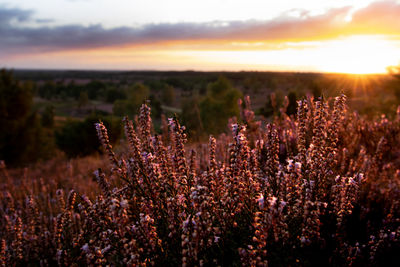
(44,21)
(377,18)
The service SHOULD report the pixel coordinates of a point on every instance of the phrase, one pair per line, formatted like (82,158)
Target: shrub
(321,189)
(137,95)
(78,138)
(47,117)
(219,105)
(22,139)
(113,94)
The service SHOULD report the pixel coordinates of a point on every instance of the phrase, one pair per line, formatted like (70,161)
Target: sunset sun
(358,55)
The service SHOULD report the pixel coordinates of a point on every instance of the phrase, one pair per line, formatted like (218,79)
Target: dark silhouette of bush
(292,107)
(113,94)
(168,95)
(268,109)
(191,117)
(22,139)
(316,90)
(48,116)
(155,105)
(83,99)
(137,94)
(47,90)
(78,138)
(95,89)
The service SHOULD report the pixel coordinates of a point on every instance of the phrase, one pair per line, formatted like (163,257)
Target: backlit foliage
(321,189)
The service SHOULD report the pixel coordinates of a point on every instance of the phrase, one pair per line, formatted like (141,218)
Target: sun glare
(358,55)
(354,55)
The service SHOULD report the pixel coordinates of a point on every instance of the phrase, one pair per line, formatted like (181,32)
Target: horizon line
(188,70)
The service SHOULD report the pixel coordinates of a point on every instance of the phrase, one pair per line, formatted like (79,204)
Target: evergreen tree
(22,138)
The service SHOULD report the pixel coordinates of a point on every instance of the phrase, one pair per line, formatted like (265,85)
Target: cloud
(380,16)
(9,15)
(44,21)
(377,18)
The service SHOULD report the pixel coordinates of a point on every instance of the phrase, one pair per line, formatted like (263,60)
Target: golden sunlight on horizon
(358,54)
(362,54)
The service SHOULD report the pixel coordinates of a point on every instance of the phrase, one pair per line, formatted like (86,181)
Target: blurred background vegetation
(48,112)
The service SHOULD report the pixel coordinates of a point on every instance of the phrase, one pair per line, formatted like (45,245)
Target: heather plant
(318,189)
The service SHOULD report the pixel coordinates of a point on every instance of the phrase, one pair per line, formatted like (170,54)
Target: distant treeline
(46,111)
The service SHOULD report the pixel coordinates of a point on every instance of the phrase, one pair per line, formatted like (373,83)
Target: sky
(349,36)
